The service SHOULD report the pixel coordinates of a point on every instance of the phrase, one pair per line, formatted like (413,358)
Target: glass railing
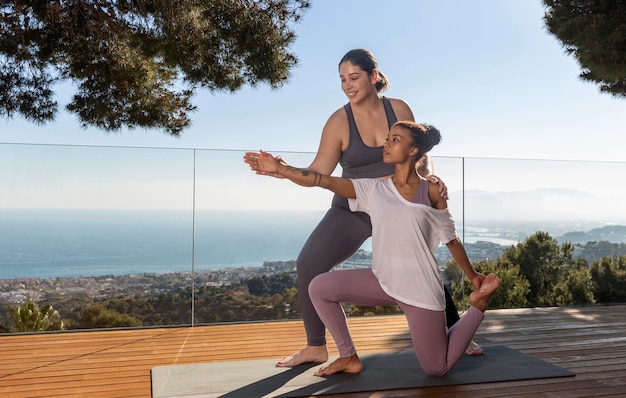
(152,236)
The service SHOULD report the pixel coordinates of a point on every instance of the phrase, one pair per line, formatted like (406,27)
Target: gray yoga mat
(385,371)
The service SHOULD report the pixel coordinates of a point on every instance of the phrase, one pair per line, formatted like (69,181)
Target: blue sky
(485,72)
(505,96)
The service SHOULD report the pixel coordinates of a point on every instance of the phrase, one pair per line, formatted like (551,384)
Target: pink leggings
(437,350)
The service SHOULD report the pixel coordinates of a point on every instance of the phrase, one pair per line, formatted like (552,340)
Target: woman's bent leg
(438,350)
(339,234)
(329,290)
(452,317)
(462,333)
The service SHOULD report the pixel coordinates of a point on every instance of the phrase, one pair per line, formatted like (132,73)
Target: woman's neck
(405,175)
(367,104)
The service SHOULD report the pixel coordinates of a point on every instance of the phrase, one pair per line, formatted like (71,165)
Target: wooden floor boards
(590,341)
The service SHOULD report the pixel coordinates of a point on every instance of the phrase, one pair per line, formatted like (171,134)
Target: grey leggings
(438,350)
(339,234)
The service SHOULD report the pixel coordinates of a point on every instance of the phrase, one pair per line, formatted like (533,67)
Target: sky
(485,72)
(506,98)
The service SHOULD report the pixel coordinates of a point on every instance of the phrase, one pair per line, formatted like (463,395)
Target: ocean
(72,243)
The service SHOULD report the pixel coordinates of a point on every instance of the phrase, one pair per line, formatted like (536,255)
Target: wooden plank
(117,363)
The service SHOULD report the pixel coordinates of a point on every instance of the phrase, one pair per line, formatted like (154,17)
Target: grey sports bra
(360,160)
(421,196)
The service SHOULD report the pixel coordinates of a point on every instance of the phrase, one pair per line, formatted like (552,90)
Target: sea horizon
(86,243)
(74,243)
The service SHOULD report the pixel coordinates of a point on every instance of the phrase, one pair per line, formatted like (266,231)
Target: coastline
(16,291)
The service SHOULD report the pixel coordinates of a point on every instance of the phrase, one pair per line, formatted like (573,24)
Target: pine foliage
(594,32)
(137,63)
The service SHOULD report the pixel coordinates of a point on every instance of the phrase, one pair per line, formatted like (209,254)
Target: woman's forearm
(304,177)
(267,163)
(309,178)
(460,256)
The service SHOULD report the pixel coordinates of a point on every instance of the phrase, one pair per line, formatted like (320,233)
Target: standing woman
(353,136)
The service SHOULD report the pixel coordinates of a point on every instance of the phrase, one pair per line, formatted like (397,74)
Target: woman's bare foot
(351,364)
(480,298)
(474,349)
(310,353)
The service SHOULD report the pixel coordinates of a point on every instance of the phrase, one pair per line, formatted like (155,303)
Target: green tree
(594,32)
(540,261)
(138,63)
(576,288)
(594,251)
(6,317)
(512,293)
(98,316)
(555,276)
(258,285)
(290,298)
(514,288)
(32,318)
(609,279)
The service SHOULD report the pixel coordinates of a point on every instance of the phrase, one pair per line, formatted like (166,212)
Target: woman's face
(355,82)
(398,145)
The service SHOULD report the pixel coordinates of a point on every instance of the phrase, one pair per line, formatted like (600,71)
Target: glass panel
(86,225)
(114,236)
(248,226)
(525,196)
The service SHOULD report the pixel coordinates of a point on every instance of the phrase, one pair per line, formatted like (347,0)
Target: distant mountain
(611,233)
(537,204)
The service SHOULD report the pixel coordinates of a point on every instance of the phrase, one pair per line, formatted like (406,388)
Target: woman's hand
(252,159)
(267,163)
(443,190)
(477,280)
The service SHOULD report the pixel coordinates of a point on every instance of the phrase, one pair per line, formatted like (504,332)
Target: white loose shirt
(404,238)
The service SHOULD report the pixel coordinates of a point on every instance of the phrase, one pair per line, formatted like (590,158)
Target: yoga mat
(385,371)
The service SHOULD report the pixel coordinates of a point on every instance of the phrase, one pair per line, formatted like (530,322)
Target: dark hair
(365,60)
(425,136)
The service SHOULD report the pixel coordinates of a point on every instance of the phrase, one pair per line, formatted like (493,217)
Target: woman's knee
(316,286)
(307,269)
(435,371)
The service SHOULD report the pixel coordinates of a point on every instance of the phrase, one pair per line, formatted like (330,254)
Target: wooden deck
(590,341)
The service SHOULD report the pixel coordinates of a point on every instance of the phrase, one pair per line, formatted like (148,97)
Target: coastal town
(16,292)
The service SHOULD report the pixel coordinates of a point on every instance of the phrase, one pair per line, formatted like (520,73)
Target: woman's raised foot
(480,298)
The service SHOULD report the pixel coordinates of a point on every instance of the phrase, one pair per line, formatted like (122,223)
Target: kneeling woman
(409,220)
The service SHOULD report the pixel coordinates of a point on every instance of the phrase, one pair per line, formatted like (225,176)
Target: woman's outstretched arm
(305,177)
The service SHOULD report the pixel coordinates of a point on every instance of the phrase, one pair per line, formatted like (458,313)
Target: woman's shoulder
(401,108)
(338,113)
(369,182)
(437,202)
(395,100)
(431,187)
(338,119)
